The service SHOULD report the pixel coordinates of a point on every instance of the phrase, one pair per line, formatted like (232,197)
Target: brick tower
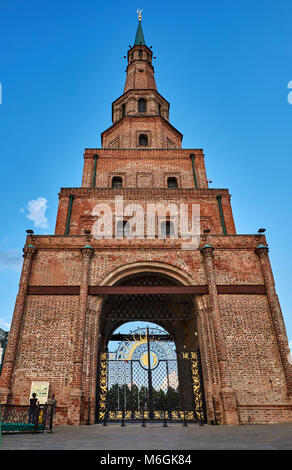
(76,288)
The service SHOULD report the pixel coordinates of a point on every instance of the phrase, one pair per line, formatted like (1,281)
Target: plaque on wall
(41,389)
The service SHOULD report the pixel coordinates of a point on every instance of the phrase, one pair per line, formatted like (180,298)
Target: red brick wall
(125,133)
(156,162)
(46,347)
(82,215)
(47,340)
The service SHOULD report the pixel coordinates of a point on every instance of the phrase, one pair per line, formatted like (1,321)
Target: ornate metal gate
(145,379)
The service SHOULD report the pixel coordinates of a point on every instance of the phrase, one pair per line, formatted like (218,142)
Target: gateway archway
(151,369)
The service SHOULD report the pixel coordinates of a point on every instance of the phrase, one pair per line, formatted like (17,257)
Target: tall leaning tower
(217,302)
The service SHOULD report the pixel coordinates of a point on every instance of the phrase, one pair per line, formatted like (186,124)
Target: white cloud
(4,324)
(36,209)
(11,259)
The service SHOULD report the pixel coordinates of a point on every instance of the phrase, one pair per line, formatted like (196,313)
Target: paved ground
(154,436)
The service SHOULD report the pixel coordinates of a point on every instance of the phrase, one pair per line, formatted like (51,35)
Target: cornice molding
(144,193)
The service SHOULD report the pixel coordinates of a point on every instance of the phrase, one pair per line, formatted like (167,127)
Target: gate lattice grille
(126,394)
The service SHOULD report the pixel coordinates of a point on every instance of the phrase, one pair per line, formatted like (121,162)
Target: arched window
(142,105)
(117,182)
(171,183)
(159,109)
(123,110)
(143,140)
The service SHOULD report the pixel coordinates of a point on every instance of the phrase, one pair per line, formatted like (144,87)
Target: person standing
(52,401)
(33,406)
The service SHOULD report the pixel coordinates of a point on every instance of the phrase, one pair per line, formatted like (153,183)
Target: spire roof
(139,39)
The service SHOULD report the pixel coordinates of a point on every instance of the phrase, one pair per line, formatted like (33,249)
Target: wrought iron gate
(145,379)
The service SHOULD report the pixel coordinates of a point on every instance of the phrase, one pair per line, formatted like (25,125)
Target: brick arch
(176,314)
(182,333)
(131,275)
(169,271)
(174,273)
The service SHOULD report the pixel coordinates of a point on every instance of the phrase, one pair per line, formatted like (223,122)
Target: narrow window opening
(172,183)
(143,140)
(117,182)
(142,105)
(123,229)
(167,229)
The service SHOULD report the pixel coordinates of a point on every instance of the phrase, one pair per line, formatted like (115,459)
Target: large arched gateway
(150,372)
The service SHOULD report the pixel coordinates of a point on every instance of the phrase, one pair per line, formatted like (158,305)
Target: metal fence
(22,418)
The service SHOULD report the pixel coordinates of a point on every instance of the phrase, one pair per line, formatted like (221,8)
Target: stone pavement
(154,436)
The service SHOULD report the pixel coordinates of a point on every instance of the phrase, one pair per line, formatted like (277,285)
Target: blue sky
(224,67)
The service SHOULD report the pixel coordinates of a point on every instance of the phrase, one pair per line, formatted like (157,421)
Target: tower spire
(141,115)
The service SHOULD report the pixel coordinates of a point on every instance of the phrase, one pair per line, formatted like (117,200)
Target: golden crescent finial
(139,11)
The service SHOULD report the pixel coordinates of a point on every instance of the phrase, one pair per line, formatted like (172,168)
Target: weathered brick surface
(85,200)
(252,348)
(46,346)
(56,268)
(57,338)
(130,162)
(140,70)
(125,133)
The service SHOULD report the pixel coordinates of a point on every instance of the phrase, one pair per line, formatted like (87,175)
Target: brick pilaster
(14,334)
(77,386)
(227,393)
(94,356)
(276,314)
(206,360)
